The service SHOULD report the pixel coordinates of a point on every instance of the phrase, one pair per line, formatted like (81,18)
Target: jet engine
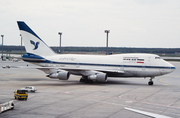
(100,77)
(62,75)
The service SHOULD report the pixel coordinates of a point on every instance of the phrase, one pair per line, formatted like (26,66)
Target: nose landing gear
(150,81)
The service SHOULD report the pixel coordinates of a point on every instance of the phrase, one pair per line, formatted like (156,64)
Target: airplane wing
(87,74)
(84,72)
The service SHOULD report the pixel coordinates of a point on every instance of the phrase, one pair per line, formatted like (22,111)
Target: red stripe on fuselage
(140,62)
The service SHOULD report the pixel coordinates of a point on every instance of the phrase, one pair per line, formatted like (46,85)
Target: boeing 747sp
(90,67)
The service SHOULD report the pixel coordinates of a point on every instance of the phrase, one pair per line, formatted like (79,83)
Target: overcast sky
(132,23)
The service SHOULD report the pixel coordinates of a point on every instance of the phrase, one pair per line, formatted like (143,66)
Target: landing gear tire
(90,81)
(12,106)
(150,82)
(81,80)
(86,80)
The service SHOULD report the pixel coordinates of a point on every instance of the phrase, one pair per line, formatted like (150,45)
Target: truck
(21,94)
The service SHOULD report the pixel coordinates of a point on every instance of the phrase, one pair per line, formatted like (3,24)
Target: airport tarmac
(67,99)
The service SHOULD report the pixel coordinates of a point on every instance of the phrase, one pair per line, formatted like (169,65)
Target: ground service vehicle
(30,88)
(21,94)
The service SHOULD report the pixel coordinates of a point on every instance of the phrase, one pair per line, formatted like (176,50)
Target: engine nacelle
(63,75)
(100,77)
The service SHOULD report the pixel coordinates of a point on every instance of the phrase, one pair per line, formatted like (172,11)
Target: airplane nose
(173,68)
(168,69)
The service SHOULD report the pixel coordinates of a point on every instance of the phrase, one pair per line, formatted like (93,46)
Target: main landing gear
(85,79)
(150,81)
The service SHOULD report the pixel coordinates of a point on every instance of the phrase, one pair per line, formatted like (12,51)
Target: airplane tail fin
(33,44)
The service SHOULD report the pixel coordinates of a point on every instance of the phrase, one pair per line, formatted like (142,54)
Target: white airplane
(90,67)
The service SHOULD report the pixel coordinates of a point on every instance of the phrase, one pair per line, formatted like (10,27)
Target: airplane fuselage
(120,65)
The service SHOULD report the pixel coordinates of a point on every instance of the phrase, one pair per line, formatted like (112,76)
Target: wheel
(81,80)
(150,82)
(90,81)
(14,97)
(86,81)
(12,105)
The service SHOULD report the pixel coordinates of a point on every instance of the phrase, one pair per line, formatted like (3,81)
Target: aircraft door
(149,58)
(142,70)
(77,63)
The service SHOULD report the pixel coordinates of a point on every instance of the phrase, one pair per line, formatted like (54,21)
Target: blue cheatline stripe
(107,65)
(32,56)
(22,26)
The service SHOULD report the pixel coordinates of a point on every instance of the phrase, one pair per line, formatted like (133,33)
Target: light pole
(107,31)
(2,45)
(21,45)
(60,33)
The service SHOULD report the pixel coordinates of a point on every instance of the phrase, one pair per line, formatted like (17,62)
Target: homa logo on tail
(35,44)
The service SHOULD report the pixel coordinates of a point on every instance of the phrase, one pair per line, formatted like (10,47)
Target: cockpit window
(158,58)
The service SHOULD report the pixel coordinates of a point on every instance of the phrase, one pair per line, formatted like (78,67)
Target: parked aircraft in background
(90,67)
